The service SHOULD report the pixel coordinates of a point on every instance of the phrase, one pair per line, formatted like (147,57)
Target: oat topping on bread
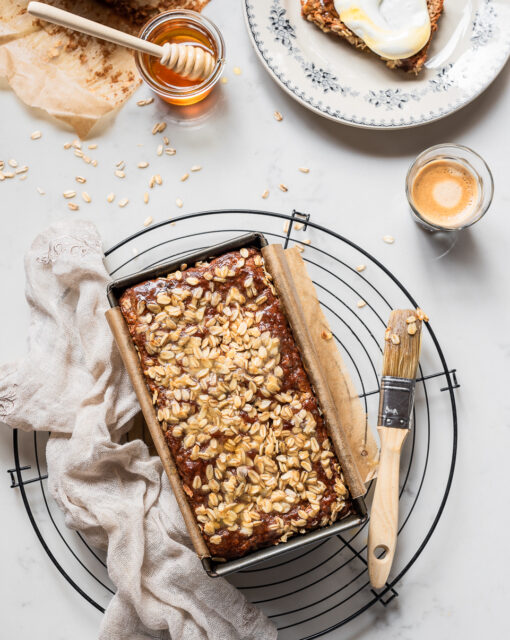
(323,14)
(234,402)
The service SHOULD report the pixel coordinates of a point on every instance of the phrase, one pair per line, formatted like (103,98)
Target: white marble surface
(458,588)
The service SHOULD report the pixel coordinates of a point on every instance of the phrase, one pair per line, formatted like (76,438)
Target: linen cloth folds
(73,383)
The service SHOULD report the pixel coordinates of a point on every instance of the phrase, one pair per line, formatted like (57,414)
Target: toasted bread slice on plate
(324,15)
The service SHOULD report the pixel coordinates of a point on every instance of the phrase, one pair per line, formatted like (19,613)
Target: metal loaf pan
(212,567)
(116,288)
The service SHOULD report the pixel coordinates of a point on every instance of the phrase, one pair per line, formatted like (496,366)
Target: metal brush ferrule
(396,402)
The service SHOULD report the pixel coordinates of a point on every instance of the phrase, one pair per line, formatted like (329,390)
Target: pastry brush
(400,363)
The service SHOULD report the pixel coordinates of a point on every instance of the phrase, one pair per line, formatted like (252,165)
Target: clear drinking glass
(471,161)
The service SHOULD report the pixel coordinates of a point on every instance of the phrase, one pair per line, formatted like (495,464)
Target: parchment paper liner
(75,78)
(348,405)
(278,266)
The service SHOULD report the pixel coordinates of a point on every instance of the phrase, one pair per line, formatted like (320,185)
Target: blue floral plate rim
(446,89)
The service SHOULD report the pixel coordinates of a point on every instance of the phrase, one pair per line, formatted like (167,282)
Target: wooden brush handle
(382,530)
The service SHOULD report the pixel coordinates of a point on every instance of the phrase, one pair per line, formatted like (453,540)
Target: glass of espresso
(449,187)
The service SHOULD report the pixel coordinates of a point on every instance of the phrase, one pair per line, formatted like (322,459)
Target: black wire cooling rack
(307,594)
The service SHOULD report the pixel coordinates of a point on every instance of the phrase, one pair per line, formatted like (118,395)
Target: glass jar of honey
(186,27)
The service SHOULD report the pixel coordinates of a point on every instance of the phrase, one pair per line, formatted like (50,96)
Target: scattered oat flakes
(387,334)
(36,135)
(283,188)
(23,177)
(110,197)
(123,202)
(2,177)
(298,226)
(159,127)
(299,247)
(307,241)
(412,329)
(304,169)
(146,197)
(12,163)
(147,221)
(76,143)
(158,178)
(410,319)
(78,153)
(389,239)
(73,206)
(237,71)
(159,150)
(170,152)
(196,167)
(166,140)
(9,174)
(144,103)
(94,163)
(394,338)
(361,304)
(422,315)
(278,116)
(361,267)
(22,169)
(224,80)
(185,177)
(69,193)
(120,174)
(265,195)
(87,159)
(120,164)
(81,179)
(179,202)
(326,335)
(286,227)
(42,192)
(143,165)
(68,145)
(92,146)
(86,196)
(152,182)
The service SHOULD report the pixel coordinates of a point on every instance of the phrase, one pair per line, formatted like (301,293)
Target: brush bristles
(402,344)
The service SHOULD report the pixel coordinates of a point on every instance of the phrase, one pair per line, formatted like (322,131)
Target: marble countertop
(458,587)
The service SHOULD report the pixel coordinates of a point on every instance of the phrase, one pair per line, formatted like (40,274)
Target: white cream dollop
(394,29)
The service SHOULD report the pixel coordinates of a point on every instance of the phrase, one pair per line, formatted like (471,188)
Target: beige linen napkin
(73,383)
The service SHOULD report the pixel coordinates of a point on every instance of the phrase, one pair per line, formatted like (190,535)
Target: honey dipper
(396,401)
(187,60)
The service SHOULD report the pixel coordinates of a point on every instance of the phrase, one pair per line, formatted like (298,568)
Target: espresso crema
(445,193)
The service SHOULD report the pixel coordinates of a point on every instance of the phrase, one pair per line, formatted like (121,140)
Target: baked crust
(323,14)
(235,404)
(140,11)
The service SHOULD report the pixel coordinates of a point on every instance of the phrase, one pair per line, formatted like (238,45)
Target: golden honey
(180,27)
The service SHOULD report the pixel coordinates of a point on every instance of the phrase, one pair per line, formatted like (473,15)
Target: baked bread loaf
(324,15)
(235,404)
(141,10)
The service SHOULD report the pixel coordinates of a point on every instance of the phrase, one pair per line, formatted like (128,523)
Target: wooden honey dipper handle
(186,60)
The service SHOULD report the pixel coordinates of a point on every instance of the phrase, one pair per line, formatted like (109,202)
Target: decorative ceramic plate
(330,77)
